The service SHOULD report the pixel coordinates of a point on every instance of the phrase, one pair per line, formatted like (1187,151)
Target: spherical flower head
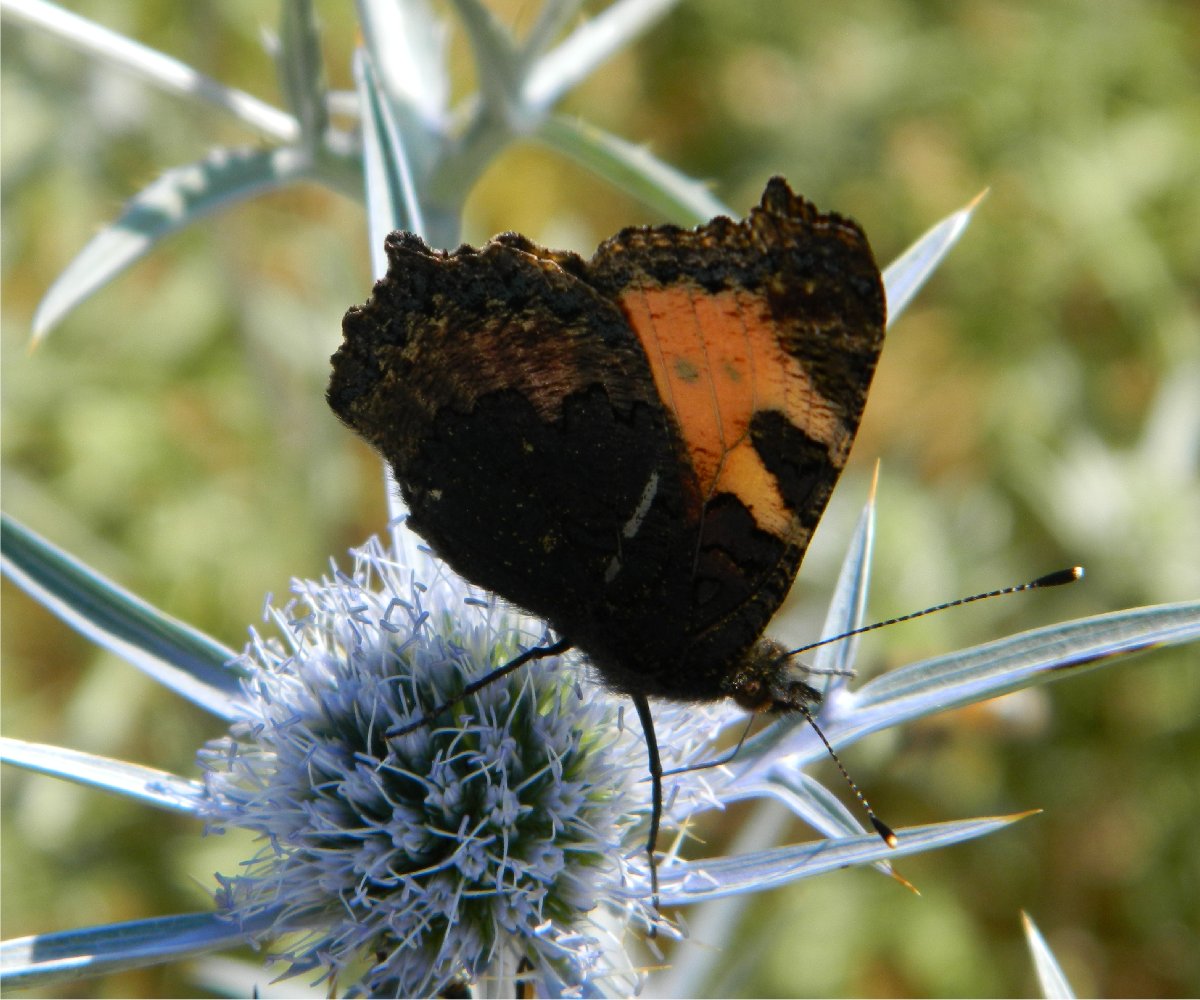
(496,836)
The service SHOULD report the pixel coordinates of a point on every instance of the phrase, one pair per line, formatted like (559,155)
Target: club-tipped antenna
(1055,579)
(881,828)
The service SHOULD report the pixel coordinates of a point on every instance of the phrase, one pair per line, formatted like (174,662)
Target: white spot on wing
(634,524)
(643,507)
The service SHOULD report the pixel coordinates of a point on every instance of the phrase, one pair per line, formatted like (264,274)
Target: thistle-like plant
(500,845)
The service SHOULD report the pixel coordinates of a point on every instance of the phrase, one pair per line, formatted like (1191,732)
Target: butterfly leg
(534,653)
(656,795)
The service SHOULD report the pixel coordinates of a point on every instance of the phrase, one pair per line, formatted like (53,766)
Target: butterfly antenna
(881,828)
(1056,579)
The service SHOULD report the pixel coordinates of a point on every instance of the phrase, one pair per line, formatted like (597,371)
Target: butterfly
(635,447)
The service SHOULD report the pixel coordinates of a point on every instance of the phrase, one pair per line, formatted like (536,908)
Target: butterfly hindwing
(515,410)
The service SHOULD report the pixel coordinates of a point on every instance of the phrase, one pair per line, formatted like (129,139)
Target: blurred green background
(1038,406)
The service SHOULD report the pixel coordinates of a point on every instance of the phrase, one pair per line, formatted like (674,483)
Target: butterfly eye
(751,694)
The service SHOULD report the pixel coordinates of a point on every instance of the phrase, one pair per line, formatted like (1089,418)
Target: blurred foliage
(1039,406)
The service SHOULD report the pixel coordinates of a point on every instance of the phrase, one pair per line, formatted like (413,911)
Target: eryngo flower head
(505,833)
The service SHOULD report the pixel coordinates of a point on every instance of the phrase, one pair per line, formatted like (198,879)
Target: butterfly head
(765,681)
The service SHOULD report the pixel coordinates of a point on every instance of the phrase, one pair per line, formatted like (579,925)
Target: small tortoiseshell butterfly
(636,447)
